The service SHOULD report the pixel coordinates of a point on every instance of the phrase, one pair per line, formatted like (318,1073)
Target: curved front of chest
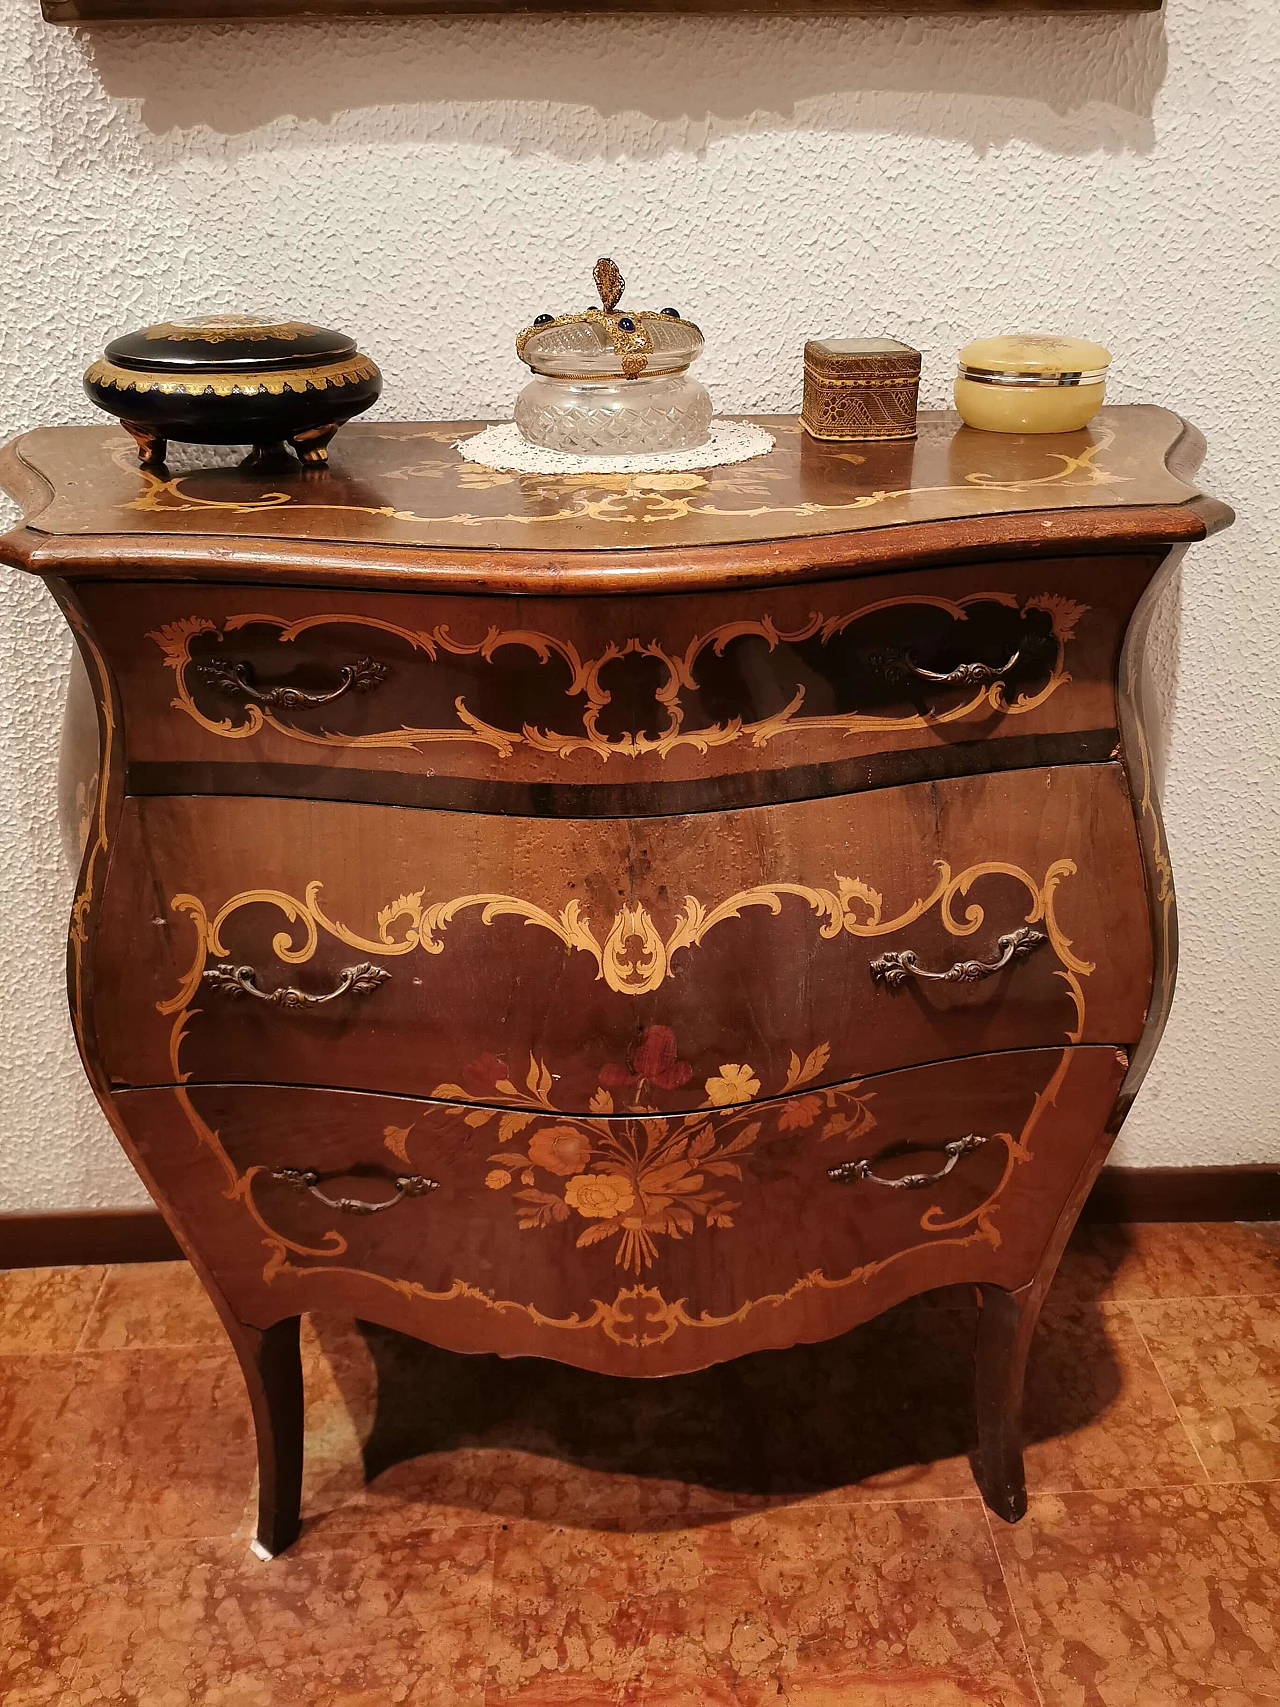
(639,1246)
(624,967)
(611,706)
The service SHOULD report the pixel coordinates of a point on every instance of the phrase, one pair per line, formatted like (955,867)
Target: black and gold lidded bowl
(232,379)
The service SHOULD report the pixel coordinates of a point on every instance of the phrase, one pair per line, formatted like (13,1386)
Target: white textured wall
(432,184)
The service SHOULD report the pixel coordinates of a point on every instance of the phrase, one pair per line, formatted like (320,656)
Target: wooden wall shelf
(195,11)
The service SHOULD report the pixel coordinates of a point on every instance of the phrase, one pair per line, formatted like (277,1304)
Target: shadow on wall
(643,85)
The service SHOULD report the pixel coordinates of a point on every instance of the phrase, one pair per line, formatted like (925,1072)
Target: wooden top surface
(397,497)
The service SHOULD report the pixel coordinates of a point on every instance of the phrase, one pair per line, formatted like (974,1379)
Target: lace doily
(502,448)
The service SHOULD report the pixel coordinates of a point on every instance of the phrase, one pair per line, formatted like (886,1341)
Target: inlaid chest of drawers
(633,920)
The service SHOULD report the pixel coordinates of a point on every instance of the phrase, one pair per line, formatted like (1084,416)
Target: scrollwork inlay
(983,687)
(634,953)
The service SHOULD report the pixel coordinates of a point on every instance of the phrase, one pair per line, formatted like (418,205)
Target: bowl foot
(268,455)
(312,443)
(151,447)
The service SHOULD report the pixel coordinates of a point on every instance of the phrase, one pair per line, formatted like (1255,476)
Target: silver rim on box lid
(988,376)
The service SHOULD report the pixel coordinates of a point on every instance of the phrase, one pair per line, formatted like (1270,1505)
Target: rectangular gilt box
(860,388)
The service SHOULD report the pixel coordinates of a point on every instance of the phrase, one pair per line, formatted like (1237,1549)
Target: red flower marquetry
(652,1061)
(481,1076)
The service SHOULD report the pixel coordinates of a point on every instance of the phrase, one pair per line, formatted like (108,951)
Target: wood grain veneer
(395,508)
(776,1252)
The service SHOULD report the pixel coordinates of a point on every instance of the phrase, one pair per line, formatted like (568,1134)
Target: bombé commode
(633,925)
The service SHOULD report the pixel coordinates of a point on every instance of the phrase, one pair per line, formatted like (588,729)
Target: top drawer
(616,706)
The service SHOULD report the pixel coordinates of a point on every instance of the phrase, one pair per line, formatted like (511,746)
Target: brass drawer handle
(359,980)
(234,681)
(846,1172)
(898,666)
(893,969)
(306,1179)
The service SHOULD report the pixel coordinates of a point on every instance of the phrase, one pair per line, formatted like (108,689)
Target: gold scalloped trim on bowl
(199,383)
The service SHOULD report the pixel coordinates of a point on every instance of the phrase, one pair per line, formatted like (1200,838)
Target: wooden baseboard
(61,1237)
(58,1238)
(1186,1194)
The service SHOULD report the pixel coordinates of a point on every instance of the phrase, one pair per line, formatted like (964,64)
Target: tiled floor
(799,1528)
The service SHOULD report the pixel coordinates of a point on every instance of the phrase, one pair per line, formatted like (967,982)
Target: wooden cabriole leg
(1007,1323)
(272,1367)
(1005,1326)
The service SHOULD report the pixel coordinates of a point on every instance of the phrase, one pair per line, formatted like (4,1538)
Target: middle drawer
(620,966)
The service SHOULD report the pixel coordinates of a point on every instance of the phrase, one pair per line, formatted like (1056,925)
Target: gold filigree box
(860,388)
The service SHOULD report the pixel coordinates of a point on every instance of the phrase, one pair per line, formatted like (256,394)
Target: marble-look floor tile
(45,1309)
(121,1445)
(1097,1414)
(1220,1359)
(1170,1259)
(147,1304)
(39,1644)
(188,1624)
(1165,1598)
(839,1607)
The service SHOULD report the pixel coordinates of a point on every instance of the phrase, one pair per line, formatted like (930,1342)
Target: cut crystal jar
(612,383)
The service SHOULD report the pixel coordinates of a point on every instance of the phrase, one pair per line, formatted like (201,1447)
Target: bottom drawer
(641,1246)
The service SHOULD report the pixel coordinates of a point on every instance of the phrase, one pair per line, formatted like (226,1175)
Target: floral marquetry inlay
(641,1186)
(637,1180)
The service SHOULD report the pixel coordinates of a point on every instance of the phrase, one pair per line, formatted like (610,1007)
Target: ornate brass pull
(893,969)
(359,980)
(846,1172)
(899,666)
(234,681)
(306,1179)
